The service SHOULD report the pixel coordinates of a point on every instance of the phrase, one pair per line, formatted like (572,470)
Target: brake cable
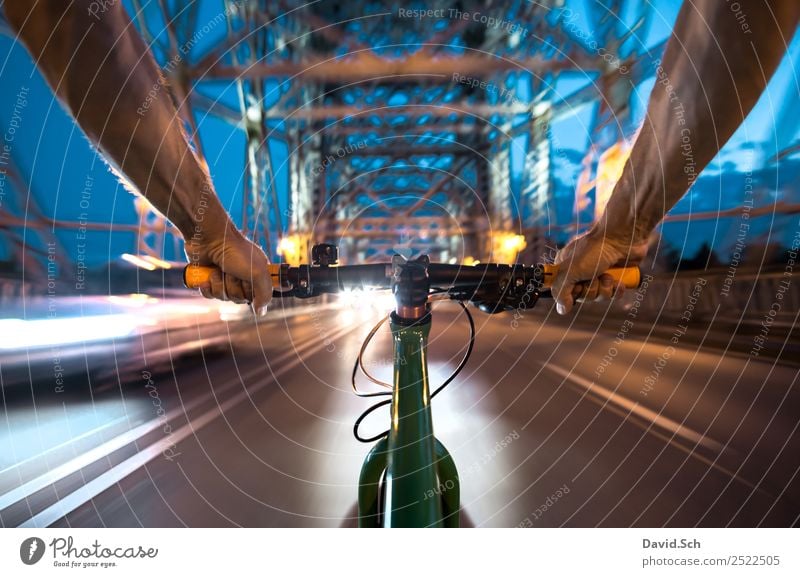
(360,365)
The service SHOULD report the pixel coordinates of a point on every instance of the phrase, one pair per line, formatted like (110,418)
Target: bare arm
(103,72)
(715,67)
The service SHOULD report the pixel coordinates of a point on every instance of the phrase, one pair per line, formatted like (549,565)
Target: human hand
(587,257)
(245,266)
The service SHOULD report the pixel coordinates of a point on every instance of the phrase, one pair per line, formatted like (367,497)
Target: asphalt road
(544,431)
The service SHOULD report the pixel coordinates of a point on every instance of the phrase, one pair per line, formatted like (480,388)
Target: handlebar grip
(195,275)
(630,276)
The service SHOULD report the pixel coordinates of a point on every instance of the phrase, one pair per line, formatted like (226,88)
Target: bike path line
(669,425)
(63,444)
(74,465)
(639,410)
(99,484)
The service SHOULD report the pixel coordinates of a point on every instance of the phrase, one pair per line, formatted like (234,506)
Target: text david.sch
(671,544)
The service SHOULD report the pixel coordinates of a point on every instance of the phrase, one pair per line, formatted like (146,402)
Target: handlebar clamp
(410,284)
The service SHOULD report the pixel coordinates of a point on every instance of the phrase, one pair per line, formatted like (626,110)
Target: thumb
(262,290)
(564,286)
(260,279)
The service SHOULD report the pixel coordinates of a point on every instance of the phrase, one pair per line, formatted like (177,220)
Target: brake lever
(512,297)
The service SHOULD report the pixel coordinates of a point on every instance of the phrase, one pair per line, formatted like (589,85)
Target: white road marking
(90,490)
(72,466)
(89,433)
(639,410)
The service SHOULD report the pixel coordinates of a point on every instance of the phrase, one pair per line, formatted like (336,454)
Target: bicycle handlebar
(306,280)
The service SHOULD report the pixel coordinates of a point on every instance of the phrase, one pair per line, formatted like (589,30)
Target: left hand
(245,274)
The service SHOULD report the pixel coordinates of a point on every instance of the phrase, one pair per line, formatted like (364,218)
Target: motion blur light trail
(23,334)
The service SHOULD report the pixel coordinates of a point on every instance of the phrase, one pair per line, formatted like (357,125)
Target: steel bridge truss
(399,129)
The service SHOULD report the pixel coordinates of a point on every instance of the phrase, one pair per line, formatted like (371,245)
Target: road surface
(549,425)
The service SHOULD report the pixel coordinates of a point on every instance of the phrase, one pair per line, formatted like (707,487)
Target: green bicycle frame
(408,478)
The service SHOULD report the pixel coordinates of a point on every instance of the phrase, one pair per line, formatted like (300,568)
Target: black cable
(363,416)
(464,360)
(359,364)
(380,404)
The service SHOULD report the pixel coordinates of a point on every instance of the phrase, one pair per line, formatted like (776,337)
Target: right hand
(245,266)
(587,257)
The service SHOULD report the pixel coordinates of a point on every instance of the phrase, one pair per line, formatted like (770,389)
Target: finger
(205,290)
(247,288)
(586,291)
(234,290)
(262,292)
(218,286)
(564,304)
(605,287)
(563,290)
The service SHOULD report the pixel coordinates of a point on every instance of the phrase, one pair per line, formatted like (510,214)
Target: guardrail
(754,293)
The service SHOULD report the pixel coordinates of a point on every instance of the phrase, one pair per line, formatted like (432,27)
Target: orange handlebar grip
(630,276)
(195,275)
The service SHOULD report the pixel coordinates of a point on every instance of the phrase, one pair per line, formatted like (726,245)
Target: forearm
(103,72)
(712,74)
